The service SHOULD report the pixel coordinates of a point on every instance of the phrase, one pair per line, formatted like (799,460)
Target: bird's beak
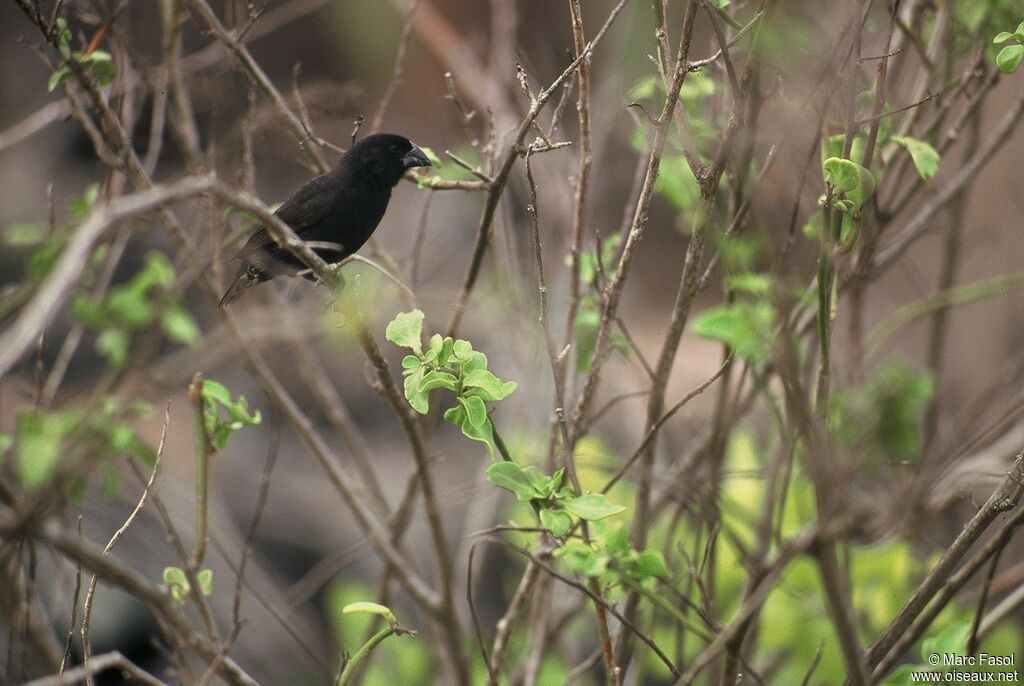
(415,158)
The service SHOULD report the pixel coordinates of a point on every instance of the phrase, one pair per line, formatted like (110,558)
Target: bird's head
(386,156)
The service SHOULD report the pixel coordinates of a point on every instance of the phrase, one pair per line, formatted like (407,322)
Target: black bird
(338,210)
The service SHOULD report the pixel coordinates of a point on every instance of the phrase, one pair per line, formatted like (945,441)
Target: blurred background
(443,73)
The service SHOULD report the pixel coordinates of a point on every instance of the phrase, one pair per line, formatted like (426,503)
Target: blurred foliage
(44,440)
(131,308)
(882,420)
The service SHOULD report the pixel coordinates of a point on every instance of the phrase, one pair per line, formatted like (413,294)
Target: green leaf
(924,156)
(491,385)
(371,608)
(5,444)
(89,312)
(435,379)
(1002,37)
(676,182)
(82,205)
(555,521)
(592,507)
(432,156)
(554,483)
(23,235)
(1009,58)
(410,362)
(100,65)
(747,282)
(419,400)
(205,579)
(238,411)
(157,272)
(215,390)
(512,477)
(40,437)
(476,411)
(406,330)
(585,330)
(62,74)
(951,640)
(596,565)
(850,178)
(177,581)
(650,563)
(113,344)
(615,539)
(179,326)
(745,327)
(644,88)
(483,432)
(128,307)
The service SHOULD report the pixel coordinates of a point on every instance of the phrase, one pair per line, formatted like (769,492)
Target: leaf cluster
(96,63)
(451,364)
(555,502)
(224,415)
(132,307)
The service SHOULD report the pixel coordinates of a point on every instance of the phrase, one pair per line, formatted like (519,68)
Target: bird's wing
(307,207)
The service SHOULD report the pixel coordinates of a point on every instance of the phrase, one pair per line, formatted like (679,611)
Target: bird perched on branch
(336,212)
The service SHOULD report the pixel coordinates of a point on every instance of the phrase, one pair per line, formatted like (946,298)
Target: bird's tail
(248,275)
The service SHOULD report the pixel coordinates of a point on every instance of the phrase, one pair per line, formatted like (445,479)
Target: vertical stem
(582,177)
(203,451)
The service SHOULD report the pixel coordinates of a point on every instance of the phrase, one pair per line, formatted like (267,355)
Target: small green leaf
(644,88)
(406,330)
(555,521)
(491,385)
(113,344)
(462,349)
(410,362)
(512,477)
(128,307)
(1002,37)
(205,579)
(482,432)
(850,178)
(371,608)
(595,566)
(432,156)
(592,507)
(238,411)
(615,539)
(748,282)
(23,235)
(435,379)
(924,156)
(176,580)
(62,74)
(745,327)
(1009,58)
(89,312)
(554,483)
(179,326)
(476,411)
(40,437)
(650,563)
(215,390)
(419,400)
